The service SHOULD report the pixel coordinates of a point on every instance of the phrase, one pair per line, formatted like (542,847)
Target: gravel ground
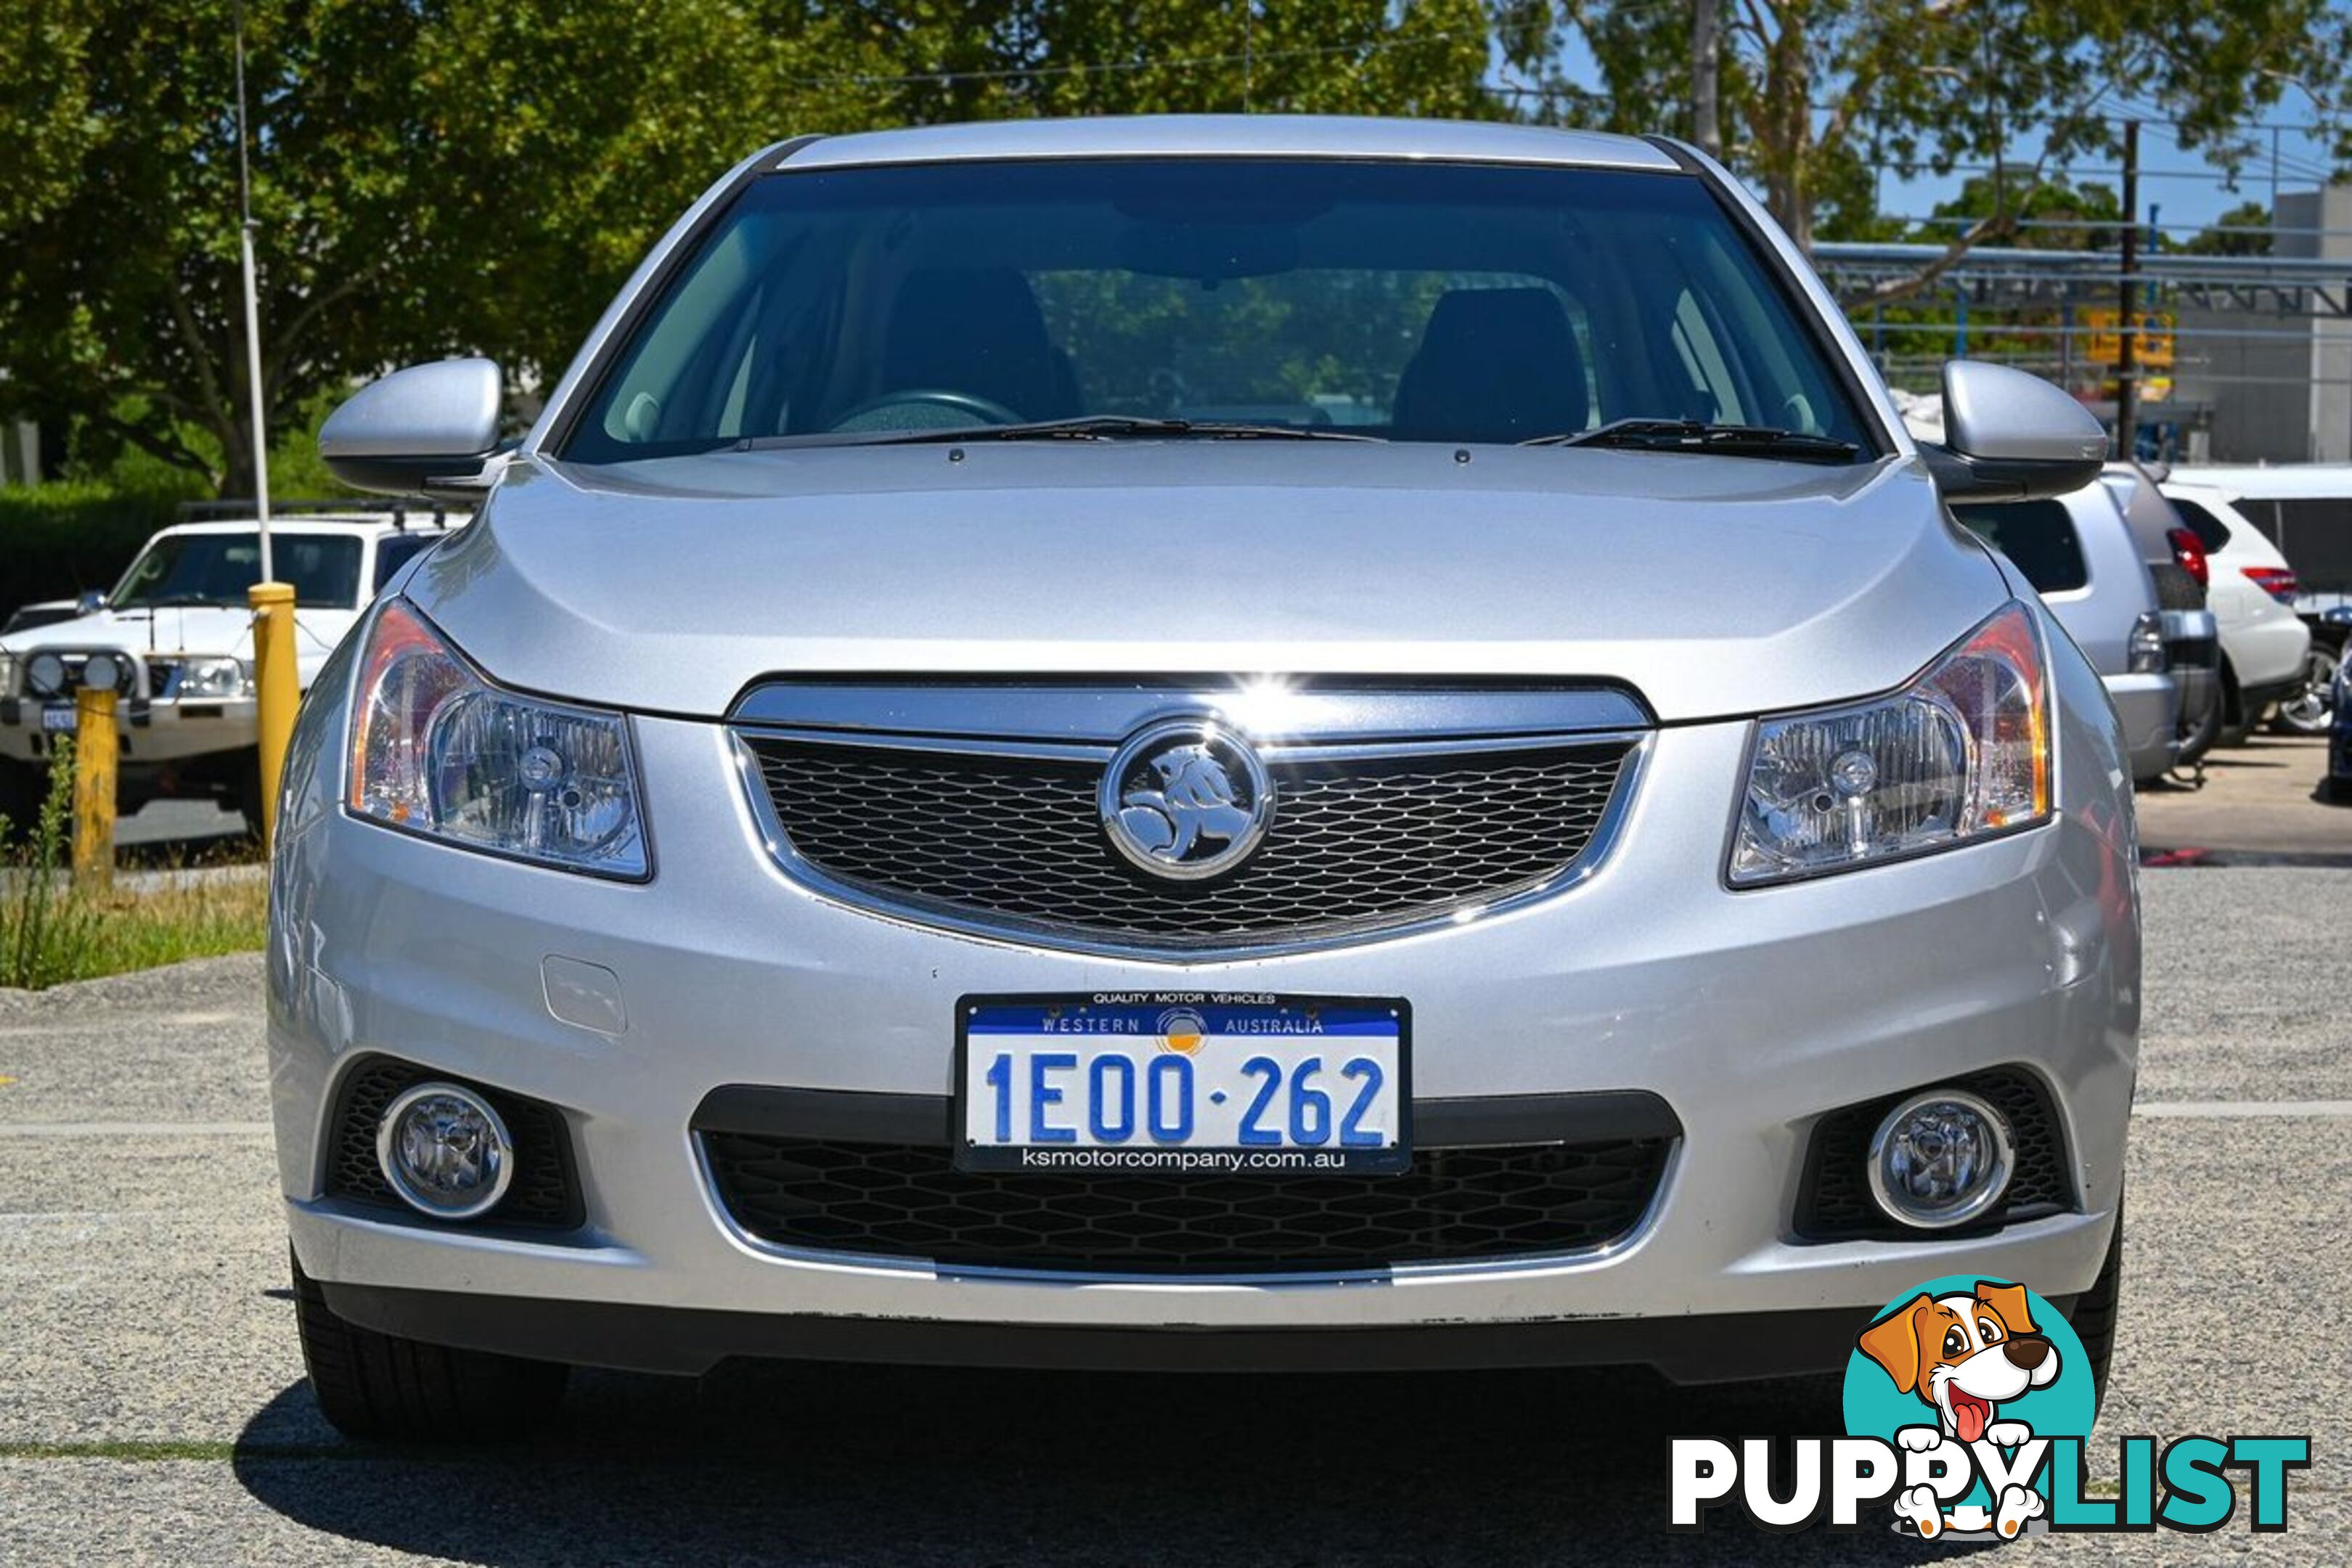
(152,1409)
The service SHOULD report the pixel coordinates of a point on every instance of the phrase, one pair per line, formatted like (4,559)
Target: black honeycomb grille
(1351,844)
(898,1200)
(1835,1205)
(543,1195)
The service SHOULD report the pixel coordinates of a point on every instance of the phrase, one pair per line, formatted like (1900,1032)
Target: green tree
(428,176)
(1816,90)
(2244,230)
(432,176)
(2050,213)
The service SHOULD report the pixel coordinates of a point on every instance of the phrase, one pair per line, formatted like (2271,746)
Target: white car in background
(2252,589)
(181,632)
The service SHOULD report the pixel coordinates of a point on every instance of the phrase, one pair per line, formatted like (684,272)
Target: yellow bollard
(277,689)
(96,752)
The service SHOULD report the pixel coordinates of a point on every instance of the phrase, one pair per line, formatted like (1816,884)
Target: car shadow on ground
(847,1464)
(189,854)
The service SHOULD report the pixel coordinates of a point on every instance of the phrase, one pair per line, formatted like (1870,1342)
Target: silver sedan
(1251,743)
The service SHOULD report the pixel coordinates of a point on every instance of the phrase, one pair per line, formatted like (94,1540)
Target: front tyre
(2309,708)
(243,794)
(390,1389)
(2094,1317)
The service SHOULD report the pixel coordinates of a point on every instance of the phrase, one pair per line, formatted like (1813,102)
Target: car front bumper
(2266,650)
(2148,706)
(152,732)
(1751,1014)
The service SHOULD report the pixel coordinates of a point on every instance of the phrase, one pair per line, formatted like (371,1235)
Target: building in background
(2274,365)
(2245,358)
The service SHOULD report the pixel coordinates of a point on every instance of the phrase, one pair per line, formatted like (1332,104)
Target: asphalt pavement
(2259,803)
(153,1407)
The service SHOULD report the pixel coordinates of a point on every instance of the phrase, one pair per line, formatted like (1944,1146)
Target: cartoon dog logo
(1963,1356)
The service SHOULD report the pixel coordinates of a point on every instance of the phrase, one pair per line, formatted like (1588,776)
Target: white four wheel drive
(182,630)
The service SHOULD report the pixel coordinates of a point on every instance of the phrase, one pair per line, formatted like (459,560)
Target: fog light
(445,1151)
(45,675)
(1940,1158)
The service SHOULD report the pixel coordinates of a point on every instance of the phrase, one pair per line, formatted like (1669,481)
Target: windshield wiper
(1697,436)
(1085,427)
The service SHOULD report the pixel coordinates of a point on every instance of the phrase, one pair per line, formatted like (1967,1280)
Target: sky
(2184,190)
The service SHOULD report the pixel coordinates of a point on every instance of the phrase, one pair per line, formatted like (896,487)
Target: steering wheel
(967,408)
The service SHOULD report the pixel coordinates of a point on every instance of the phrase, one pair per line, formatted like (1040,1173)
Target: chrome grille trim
(1485,726)
(1092,752)
(1108,713)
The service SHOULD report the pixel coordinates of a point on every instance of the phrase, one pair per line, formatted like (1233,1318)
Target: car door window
(2210,531)
(393,554)
(2038,537)
(2314,534)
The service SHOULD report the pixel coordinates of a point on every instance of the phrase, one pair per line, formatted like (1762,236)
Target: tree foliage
(2244,230)
(1816,92)
(2050,214)
(431,177)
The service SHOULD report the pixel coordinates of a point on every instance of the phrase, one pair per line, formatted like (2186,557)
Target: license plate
(1184,1083)
(61,717)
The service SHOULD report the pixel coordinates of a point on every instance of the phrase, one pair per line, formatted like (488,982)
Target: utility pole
(1706,128)
(252,312)
(276,686)
(2128,314)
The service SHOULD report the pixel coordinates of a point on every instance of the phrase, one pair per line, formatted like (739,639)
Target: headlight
(8,675)
(212,678)
(2144,654)
(1960,754)
(436,750)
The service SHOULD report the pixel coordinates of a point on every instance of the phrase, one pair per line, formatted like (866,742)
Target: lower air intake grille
(896,1200)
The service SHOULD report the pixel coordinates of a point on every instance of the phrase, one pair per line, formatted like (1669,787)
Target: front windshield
(217,569)
(1413,302)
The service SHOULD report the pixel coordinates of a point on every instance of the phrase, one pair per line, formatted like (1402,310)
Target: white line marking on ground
(134,1129)
(2222,1110)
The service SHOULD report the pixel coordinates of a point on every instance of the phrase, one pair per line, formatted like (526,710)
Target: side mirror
(425,429)
(2008,436)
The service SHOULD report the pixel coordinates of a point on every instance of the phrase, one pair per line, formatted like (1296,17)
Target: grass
(52,932)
